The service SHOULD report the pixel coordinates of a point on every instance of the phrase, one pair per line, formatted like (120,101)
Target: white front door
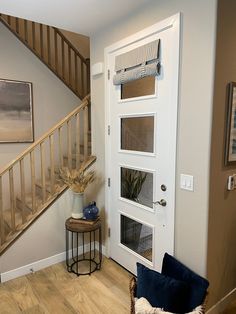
(141,152)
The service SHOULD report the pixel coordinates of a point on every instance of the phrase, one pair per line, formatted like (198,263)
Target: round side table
(74,228)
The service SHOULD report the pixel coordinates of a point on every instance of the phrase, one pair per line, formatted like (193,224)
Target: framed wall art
(230,150)
(16,112)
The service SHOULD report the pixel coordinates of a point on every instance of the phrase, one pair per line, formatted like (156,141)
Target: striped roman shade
(137,63)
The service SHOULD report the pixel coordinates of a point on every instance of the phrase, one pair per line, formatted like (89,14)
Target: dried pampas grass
(77,180)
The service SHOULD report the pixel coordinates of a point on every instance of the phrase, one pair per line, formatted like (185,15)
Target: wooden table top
(76,225)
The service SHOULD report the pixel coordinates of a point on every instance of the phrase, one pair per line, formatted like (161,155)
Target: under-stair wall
(45,239)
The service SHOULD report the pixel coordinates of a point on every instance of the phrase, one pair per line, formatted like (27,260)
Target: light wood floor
(54,290)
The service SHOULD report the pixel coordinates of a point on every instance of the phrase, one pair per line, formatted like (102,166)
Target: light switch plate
(186,182)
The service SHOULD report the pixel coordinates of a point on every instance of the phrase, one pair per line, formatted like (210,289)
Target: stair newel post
(22,186)
(48,45)
(33,34)
(33,191)
(77,156)
(85,132)
(43,180)
(60,148)
(26,30)
(12,200)
(88,90)
(1,214)
(52,165)
(69,144)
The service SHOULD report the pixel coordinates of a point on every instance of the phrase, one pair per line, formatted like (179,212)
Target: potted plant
(77,180)
(132,183)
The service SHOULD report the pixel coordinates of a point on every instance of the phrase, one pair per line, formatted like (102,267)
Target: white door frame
(171,22)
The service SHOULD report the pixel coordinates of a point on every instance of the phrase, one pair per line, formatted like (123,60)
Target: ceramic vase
(77,205)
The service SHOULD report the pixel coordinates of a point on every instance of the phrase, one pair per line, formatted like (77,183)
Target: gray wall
(221,267)
(195,113)
(52,101)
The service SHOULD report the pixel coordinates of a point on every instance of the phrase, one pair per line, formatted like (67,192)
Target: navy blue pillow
(160,290)
(197,285)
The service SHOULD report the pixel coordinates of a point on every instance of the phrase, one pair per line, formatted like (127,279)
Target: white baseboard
(43,263)
(221,305)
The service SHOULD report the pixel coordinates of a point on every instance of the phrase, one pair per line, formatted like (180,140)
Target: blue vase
(91,211)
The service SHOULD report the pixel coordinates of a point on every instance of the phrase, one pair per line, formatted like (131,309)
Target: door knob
(162,202)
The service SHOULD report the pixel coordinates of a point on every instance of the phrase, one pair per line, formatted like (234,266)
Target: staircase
(54,50)
(31,182)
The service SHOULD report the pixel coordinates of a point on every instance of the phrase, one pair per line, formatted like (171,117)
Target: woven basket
(132,289)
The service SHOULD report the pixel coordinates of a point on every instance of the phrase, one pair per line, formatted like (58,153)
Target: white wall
(52,101)
(195,111)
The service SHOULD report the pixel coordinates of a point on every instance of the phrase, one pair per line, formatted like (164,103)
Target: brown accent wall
(221,257)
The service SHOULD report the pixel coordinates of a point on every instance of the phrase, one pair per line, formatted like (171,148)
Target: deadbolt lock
(163,187)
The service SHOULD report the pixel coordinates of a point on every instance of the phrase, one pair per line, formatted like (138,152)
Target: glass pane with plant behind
(137,186)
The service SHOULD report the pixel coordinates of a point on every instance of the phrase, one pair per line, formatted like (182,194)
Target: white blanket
(142,306)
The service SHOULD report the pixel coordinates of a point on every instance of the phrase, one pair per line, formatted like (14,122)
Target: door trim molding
(171,22)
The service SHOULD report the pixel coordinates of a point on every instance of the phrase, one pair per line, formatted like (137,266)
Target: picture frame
(16,112)
(230,149)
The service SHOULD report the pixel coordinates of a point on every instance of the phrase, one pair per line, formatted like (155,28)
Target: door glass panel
(137,186)
(137,134)
(141,87)
(137,237)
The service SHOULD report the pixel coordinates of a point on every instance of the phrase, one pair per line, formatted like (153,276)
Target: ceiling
(80,16)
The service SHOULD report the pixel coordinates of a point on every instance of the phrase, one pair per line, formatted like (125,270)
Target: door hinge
(108,74)
(109,130)
(109,232)
(109,182)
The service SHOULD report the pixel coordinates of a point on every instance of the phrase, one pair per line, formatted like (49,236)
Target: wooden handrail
(84,103)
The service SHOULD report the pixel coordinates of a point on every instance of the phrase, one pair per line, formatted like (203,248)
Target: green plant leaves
(131,183)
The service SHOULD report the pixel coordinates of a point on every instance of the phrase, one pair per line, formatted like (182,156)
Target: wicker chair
(132,289)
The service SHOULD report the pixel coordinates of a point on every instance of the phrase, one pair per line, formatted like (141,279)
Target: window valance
(137,63)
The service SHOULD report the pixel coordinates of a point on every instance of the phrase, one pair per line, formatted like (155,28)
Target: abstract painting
(16,112)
